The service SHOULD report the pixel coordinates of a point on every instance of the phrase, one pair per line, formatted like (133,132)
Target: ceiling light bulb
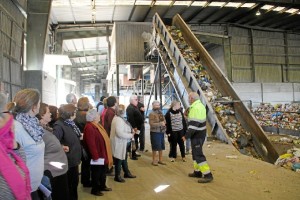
(258,13)
(94,11)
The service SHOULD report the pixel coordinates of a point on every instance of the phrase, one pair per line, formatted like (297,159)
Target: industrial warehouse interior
(242,59)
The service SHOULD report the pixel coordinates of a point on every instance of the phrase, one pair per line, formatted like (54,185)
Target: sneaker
(172,160)
(154,164)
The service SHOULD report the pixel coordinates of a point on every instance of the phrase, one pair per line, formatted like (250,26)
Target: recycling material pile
(222,105)
(290,160)
(285,116)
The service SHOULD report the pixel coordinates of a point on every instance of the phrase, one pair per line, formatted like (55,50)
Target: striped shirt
(176,121)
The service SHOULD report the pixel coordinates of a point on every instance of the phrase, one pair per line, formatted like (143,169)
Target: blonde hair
(83,104)
(174,102)
(24,100)
(121,110)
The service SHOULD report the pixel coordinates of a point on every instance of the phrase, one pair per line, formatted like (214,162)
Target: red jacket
(94,142)
(109,115)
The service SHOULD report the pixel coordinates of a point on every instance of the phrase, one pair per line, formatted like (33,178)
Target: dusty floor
(238,178)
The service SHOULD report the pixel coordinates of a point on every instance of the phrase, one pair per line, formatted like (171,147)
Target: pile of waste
(290,160)
(285,116)
(223,105)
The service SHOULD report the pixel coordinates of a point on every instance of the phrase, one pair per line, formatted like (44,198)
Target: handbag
(85,154)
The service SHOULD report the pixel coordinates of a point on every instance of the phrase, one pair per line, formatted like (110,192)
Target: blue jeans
(188,144)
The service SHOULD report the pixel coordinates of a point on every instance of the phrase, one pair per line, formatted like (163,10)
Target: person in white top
(120,136)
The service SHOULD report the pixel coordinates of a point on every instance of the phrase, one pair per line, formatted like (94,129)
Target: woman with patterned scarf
(29,134)
(69,135)
(14,174)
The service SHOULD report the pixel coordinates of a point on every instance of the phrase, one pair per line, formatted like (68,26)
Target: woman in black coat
(176,128)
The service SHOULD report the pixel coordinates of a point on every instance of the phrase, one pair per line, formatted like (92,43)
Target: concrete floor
(240,178)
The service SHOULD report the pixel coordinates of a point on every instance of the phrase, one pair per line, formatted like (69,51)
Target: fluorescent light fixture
(161,188)
(59,4)
(87,74)
(182,3)
(163,3)
(233,4)
(105,2)
(217,4)
(267,7)
(292,10)
(124,2)
(278,9)
(143,3)
(248,5)
(199,3)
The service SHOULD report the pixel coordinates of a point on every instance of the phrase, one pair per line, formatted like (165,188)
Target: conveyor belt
(185,80)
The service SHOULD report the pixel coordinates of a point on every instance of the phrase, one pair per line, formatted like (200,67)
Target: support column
(117,81)
(252,55)
(112,84)
(156,79)
(160,86)
(37,25)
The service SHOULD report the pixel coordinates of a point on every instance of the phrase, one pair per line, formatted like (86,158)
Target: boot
(119,179)
(206,179)
(129,175)
(196,174)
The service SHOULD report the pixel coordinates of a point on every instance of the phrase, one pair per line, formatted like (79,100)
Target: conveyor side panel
(182,70)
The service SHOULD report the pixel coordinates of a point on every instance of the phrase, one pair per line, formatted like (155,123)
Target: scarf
(127,122)
(161,119)
(72,124)
(31,125)
(107,143)
(18,184)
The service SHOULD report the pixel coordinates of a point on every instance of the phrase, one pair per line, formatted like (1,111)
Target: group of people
(42,146)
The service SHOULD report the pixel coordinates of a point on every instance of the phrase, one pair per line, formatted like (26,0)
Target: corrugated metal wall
(293,61)
(129,44)
(11,48)
(259,55)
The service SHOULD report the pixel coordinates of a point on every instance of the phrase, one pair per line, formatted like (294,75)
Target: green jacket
(197,119)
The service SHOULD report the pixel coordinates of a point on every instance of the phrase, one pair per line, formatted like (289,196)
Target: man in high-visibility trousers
(197,132)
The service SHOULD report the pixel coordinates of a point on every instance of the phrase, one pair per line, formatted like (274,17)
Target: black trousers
(35,195)
(197,152)
(142,138)
(85,171)
(60,188)
(176,138)
(73,180)
(98,177)
(136,141)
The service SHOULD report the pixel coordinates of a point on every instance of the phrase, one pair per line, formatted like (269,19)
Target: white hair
(155,101)
(132,97)
(91,115)
(194,96)
(70,97)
